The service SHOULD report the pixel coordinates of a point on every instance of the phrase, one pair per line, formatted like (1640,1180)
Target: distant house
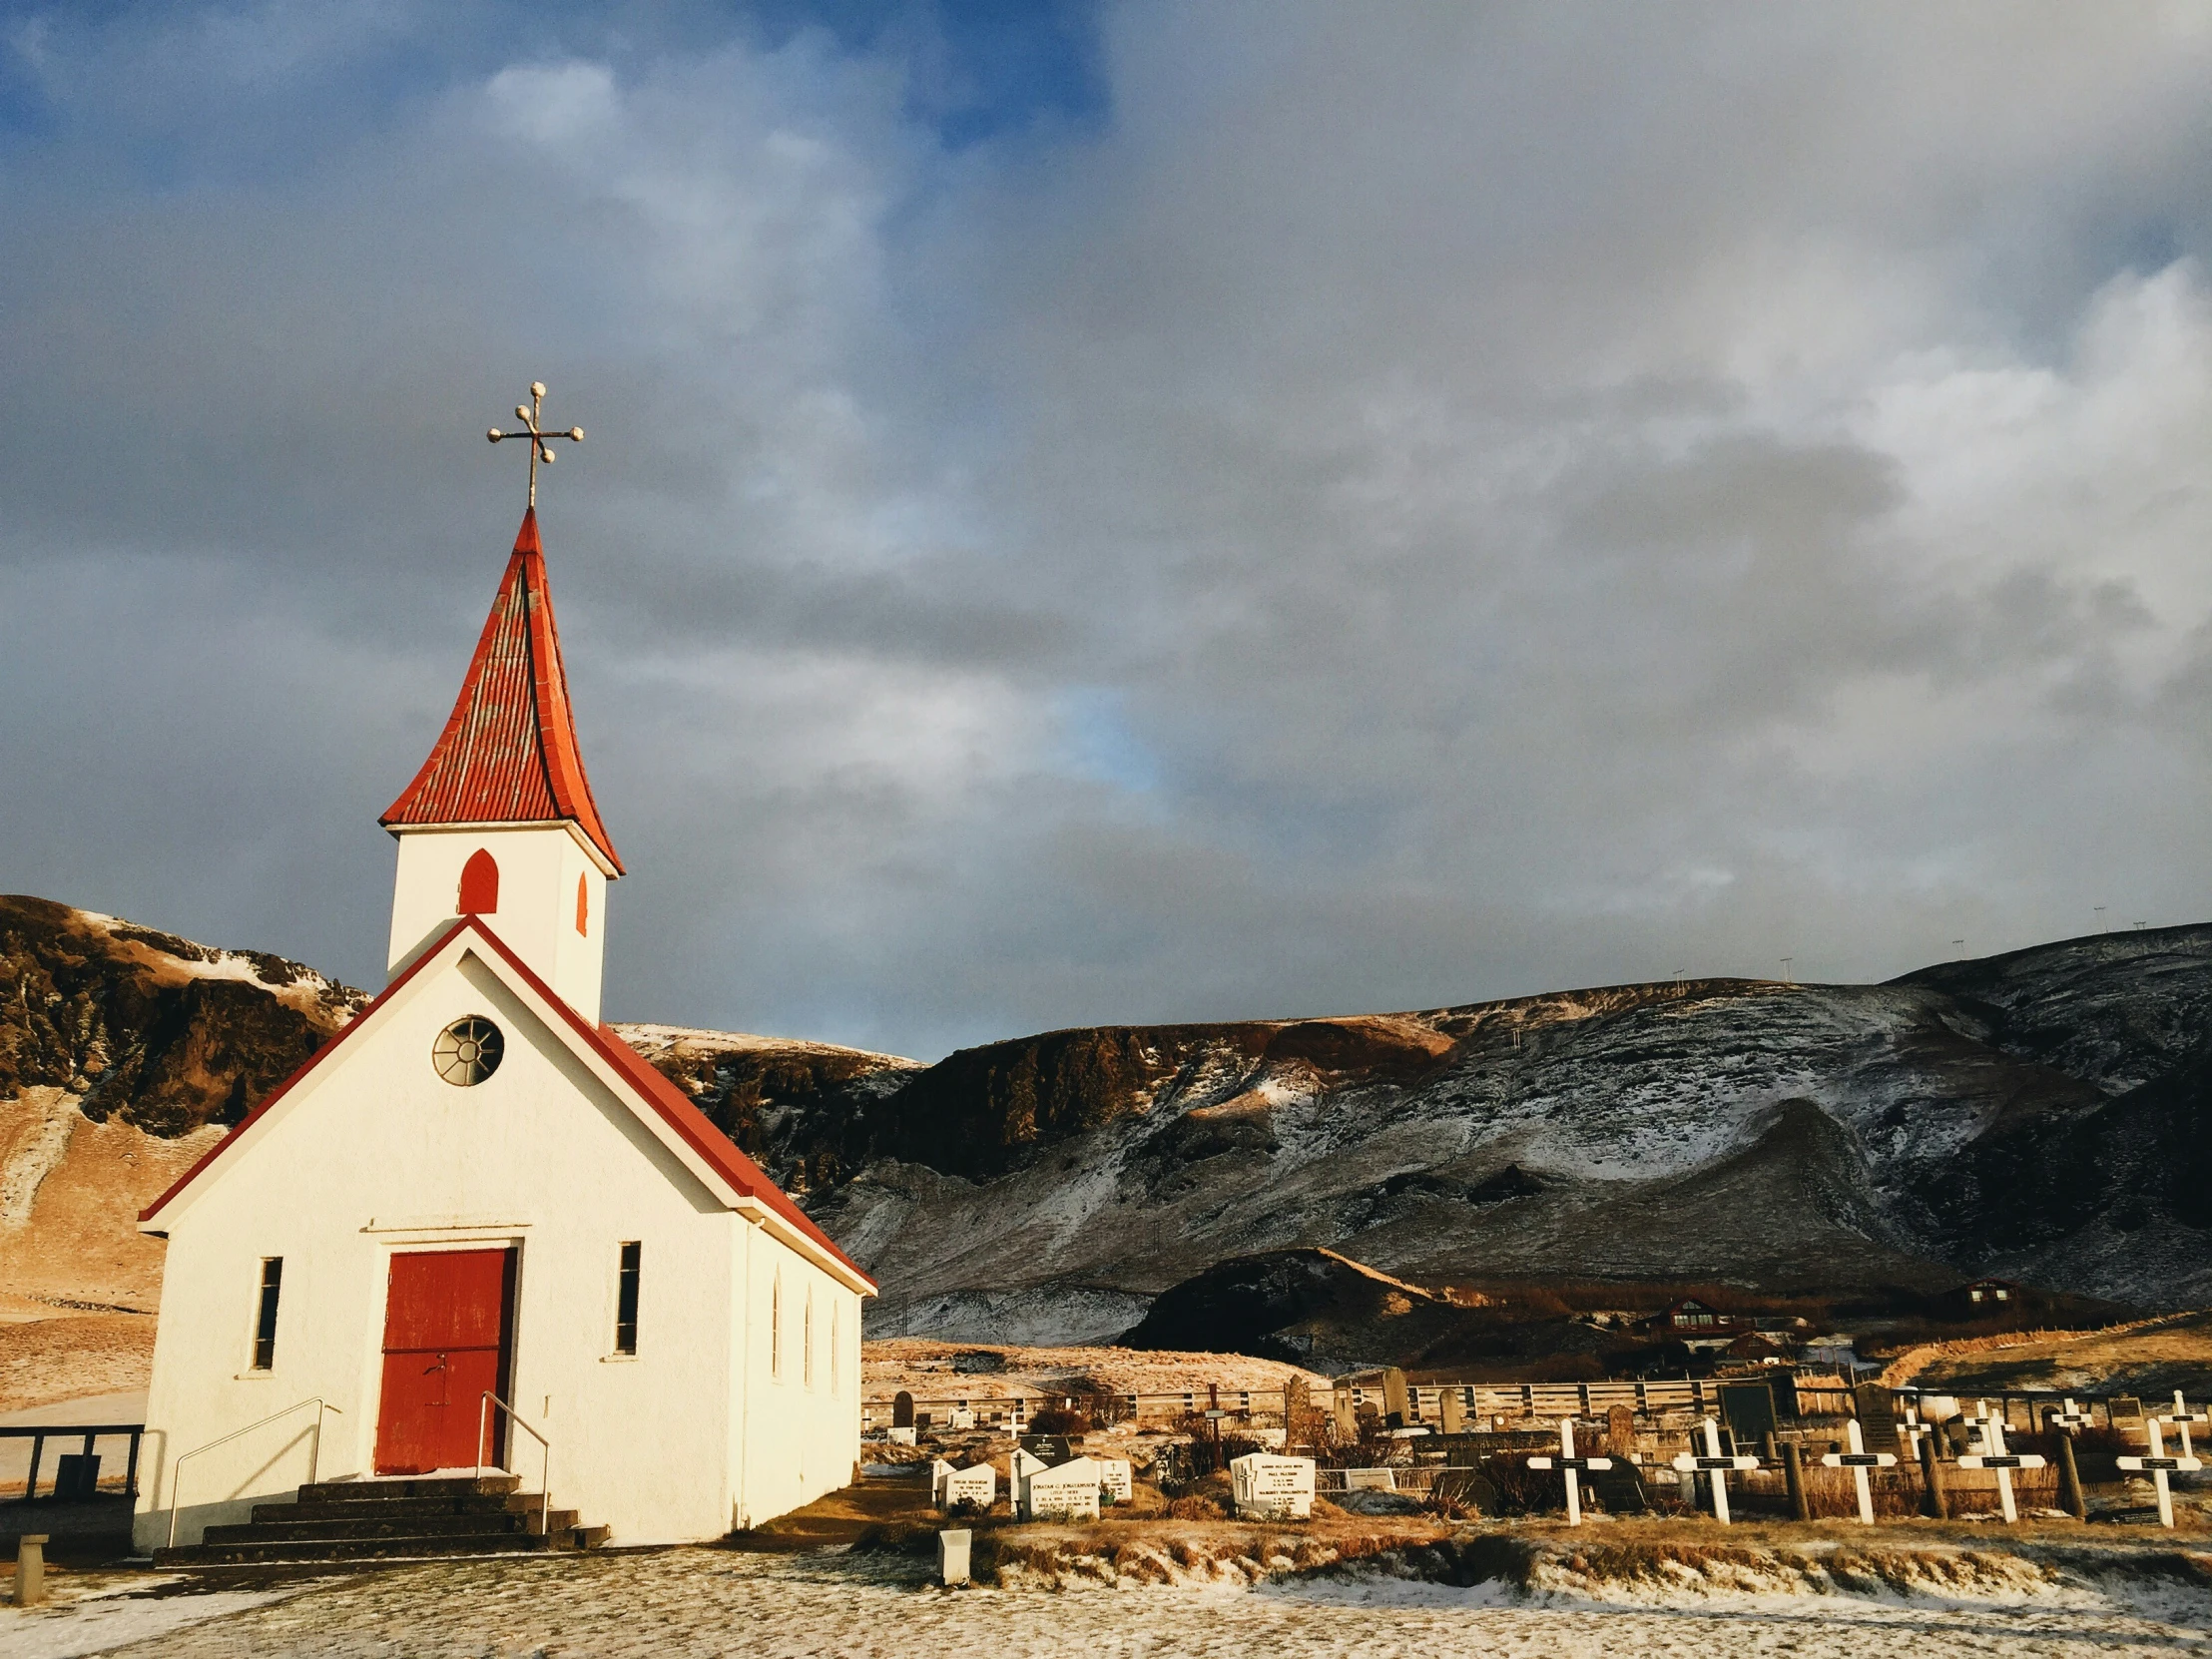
(1755,1347)
(1833,1349)
(1692,1317)
(1986,1294)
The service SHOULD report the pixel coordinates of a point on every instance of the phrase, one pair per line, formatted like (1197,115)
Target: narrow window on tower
(806,1351)
(834,1323)
(776,1326)
(583,906)
(479,896)
(264,1313)
(626,1299)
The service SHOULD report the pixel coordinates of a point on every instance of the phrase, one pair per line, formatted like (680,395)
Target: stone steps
(364,1521)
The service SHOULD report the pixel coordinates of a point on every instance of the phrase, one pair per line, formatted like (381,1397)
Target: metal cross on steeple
(540,448)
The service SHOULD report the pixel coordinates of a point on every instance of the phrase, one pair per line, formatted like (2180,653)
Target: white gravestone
(899,1436)
(953,1556)
(1573,1466)
(2158,1465)
(1114,1480)
(1272,1488)
(939,1473)
(1370,1481)
(1990,1431)
(977,1486)
(1068,1493)
(959,1419)
(1715,1466)
(1858,1459)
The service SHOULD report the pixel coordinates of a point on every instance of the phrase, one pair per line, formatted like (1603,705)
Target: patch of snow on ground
(681,1603)
(97,1623)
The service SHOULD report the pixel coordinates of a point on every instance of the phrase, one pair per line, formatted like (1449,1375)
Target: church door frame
(446,1334)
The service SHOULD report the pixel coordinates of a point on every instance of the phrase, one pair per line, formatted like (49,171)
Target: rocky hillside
(2039,1115)
(166,1034)
(123,1053)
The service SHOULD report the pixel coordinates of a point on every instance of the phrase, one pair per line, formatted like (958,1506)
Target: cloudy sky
(1127,512)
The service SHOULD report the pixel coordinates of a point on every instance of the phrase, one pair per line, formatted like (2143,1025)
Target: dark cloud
(1159,513)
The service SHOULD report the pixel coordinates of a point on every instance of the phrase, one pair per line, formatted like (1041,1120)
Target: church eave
(577,833)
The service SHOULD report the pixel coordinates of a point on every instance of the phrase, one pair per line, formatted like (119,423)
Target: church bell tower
(500,822)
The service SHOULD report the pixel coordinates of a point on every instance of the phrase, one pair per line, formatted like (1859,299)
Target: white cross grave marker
(1997,1457)
(1716,1466)
(2158,1465)
(1568,1461)
(2181,1417)
(1858,1459)
(2073,1417)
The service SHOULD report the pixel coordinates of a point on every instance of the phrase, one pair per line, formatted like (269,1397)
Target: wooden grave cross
(1859,1460)
(1912,1429)
(1715,1466)
(2181,1417)
(1572,1464)
(2158,1465)
(1997,1457)
(2073,1417)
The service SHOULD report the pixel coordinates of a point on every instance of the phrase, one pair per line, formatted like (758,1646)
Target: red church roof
(508,755)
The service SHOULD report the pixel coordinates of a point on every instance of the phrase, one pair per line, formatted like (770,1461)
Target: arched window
(480,885)
(583,905)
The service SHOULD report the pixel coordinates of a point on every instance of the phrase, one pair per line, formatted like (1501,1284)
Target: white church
(476,1228)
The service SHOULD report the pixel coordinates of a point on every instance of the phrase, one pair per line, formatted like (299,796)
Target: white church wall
(540,866)
(798,1437)
(373,1153)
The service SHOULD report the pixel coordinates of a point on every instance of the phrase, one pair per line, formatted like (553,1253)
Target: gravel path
(679,1603)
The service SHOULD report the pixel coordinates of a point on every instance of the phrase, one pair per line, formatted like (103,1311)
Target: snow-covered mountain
(2039,1115)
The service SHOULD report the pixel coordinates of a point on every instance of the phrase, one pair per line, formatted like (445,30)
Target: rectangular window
(626,1299)
(264,1316)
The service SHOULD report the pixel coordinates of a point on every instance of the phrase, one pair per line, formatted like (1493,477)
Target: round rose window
(467,1051)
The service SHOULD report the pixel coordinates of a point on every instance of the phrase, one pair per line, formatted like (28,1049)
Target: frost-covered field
(695,1602)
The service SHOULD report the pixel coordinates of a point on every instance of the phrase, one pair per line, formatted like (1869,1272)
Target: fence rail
(1799,1397)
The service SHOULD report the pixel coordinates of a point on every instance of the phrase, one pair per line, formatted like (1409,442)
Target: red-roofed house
(476,1204)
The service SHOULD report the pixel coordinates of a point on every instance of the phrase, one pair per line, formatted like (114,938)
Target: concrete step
(378,1492)
(352,1549)
(475,1503)
(428,1528)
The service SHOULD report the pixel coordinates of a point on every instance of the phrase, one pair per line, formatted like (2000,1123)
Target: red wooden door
(448,1322)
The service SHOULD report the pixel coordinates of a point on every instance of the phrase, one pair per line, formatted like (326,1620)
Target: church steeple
(508,753)
(500,822)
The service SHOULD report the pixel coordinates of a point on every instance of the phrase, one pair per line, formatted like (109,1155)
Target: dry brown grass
(45,1361)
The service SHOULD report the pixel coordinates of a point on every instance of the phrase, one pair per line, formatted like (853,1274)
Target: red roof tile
(508,753)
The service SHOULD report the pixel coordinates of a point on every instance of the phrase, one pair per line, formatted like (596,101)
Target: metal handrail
(545,1472)
(315,1454)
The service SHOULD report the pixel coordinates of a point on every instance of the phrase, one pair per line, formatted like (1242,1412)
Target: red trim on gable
(685,1117)
(673,1107)
(508,753)
(316,1059)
